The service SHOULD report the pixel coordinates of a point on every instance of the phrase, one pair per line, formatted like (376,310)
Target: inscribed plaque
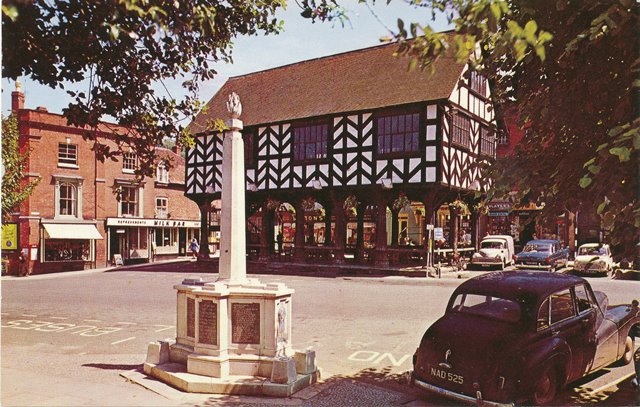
(191,317)
(208,322)
(245,323)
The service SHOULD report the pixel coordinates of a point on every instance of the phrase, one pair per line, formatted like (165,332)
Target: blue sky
(301,40)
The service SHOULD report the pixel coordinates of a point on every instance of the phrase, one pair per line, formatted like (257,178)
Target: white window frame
(121,184)
(162,173)
(68,159)
(162,211)
(129,162)
(76,182)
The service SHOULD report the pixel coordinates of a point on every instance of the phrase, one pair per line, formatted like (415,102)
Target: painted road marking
(29,315)
(613,383)
(127,323)
(61,318)
(92,320)
(369,356)
(47,326)
(123,340)
(165,327)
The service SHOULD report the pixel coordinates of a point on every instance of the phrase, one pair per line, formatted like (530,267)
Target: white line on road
(127,323)
(123,340)
(58,317)
(613,383)
(93,320)
(29,315)
(165,327)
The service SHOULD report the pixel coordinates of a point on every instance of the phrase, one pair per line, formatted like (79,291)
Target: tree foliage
(568,71)
(15,189)
(122,50)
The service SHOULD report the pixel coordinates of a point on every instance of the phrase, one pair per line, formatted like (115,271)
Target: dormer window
(162,173)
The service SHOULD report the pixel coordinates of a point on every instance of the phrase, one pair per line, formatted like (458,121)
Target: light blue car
(543,254)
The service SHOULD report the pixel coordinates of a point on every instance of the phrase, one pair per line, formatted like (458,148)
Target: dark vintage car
(543,254)
(520,336)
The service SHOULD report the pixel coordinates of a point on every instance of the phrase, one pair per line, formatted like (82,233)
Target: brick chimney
(176,149)
(17,98)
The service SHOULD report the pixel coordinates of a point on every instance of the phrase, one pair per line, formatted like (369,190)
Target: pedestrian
(280,239)
(23,270)
(194,247)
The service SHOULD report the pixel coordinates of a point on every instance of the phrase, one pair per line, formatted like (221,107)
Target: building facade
(364,150)
(87,213)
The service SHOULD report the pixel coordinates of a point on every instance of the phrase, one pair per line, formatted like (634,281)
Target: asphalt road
(88,328)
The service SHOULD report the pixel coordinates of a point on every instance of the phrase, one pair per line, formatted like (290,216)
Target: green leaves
(623,153)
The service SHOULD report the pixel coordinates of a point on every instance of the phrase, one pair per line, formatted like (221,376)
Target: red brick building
(84,213)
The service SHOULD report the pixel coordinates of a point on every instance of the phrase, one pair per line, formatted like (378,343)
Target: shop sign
(438,234)
(313,218)
(10,236)
(494,214)
(153,222)
(499,206)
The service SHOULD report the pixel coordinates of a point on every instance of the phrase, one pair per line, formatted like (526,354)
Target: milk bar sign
(153,223)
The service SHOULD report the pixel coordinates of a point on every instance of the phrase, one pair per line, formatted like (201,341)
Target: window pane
(561,306)
(543,315)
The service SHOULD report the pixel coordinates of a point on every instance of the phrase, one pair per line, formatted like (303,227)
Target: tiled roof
(363,79)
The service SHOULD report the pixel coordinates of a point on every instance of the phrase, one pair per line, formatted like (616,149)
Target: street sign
(429,227)
(438,234)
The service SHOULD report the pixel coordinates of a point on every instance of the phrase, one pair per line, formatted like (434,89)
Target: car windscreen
(491,245)
(486,306)
(531,247)
(591,251)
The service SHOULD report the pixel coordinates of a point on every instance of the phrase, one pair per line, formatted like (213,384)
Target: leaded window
(487,142)
(398,134)
(162,173)
(162,207)
(461,130)
(310,143)
(478,83)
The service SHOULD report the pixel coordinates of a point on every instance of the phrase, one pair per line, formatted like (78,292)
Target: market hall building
(371,155)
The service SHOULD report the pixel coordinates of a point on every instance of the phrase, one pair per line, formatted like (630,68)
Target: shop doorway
(182,242)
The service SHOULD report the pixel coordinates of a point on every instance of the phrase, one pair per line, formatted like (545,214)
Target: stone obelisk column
(232,218)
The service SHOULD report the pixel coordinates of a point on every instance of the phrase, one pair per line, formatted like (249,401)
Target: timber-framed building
(368,151)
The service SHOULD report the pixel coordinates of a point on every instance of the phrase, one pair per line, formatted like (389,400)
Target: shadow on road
(109,366)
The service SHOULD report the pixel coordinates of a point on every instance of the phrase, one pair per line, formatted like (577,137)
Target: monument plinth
(232,335)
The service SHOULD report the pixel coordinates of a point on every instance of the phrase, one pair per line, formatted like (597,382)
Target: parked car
(543,254)
(594,258)
(495,251)
(519,336)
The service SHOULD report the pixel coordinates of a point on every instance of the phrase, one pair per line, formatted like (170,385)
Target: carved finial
(234,107)
(18,86)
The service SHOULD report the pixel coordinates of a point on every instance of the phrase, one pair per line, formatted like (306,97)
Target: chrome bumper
(533,266)
(457,396)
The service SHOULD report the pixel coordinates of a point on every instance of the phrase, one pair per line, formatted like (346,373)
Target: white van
(495,251)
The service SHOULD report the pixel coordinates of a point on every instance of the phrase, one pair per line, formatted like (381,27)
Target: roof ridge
(332,56)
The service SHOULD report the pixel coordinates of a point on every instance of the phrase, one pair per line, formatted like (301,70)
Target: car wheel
(546,387)
(627,356)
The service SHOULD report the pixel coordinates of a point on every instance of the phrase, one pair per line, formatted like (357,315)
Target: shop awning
(71,231)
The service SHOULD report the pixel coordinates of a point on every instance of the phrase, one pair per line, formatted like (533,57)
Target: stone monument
(233,335)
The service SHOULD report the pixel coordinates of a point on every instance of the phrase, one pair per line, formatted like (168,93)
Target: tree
(14,163)
(568,70)
(120,49)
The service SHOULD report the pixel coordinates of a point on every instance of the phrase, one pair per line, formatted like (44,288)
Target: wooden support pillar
(328,209)
(340,231)
(570,225)
(265,240)
(453,229)
(205,209)
(360,231)
(299,236)
(381,258)
(428,218)
(394,228)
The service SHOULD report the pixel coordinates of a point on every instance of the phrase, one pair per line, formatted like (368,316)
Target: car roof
(519,285)
(543,241)
(593,245)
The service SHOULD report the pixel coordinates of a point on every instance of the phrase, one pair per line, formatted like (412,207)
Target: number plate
(445,375)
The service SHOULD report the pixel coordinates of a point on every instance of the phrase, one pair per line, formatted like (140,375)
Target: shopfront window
(138,239)
(67,250)
(166,237)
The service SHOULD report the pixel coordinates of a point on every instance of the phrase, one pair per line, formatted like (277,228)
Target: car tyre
(546,387)
(627,356)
